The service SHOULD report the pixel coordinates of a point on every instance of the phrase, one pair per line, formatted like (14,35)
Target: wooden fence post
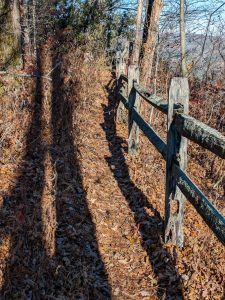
(176,154)
(126,51)
(121,115)
(120,65)
(122,60)
(118,56)
(134,102)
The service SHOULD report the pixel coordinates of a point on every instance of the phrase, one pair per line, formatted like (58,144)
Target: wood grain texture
(134,102)
(201,134)
(203,206)
(176,154)
(121,115)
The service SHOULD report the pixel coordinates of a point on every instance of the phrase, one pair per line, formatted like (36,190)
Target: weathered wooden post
(176,154)
(118,56)
(134,102)
(121,112)
(121,69)
(126,54)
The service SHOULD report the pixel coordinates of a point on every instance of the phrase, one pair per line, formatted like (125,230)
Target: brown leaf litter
(80,219)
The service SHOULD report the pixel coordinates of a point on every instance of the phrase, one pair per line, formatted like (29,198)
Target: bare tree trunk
(149,46)
(184,71)
(138,35)
(34,29)
(156,66)
(148,11)
(155,79)
(26,28)
(16,22)
(10,33)
(208,65)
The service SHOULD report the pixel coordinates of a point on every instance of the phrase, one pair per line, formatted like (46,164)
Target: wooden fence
(180,127)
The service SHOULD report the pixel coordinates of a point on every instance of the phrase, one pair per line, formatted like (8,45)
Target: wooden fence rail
(187,126)
(180,127)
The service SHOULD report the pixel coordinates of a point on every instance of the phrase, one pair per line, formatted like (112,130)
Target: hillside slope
(80,219)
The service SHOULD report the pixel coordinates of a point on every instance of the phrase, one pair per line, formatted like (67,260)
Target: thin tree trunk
(184,71)
(16,22)
(10,33)
(155,80)
(26,29)
(149,46)
(34,28)
(138,34)
(149,5)
(17,29)
(156,66)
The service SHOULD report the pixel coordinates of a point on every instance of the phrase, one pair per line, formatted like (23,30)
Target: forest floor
(80,219)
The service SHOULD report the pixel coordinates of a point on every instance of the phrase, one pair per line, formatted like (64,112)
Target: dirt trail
(74,224)
(128,227)
(127,208)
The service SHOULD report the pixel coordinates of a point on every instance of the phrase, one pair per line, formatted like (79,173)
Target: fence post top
(133,69)
(179,92)
(133,73)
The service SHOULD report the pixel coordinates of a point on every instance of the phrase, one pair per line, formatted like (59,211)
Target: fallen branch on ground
(5,73)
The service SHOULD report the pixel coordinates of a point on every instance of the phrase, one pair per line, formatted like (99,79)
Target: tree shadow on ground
(81,274)
(75,270)
(150,226)
(21,214)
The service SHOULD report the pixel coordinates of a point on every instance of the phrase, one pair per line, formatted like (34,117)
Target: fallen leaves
(93,216)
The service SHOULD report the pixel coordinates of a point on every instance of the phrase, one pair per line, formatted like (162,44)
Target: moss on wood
(9,44)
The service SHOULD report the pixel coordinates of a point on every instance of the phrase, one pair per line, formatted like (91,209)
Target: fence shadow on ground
(150,227)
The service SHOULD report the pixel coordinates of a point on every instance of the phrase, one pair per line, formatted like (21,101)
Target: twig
(25,75)
(56,66)
(218,182)
(5,133)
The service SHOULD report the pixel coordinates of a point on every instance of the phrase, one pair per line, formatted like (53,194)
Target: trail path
(128,228)
(74,224)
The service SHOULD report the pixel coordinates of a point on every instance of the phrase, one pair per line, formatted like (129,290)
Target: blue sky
(198,13)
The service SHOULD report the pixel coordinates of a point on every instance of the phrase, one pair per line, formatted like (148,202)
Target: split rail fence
(180,127)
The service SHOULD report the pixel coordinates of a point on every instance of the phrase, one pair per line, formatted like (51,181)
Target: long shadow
(150,227)
(76,271)
(20,216)
(81,274)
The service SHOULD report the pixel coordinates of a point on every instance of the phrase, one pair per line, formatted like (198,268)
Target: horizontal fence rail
(201,134)
(154,100)
(204,207)
(188,127)
(181,125)
(152,136)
